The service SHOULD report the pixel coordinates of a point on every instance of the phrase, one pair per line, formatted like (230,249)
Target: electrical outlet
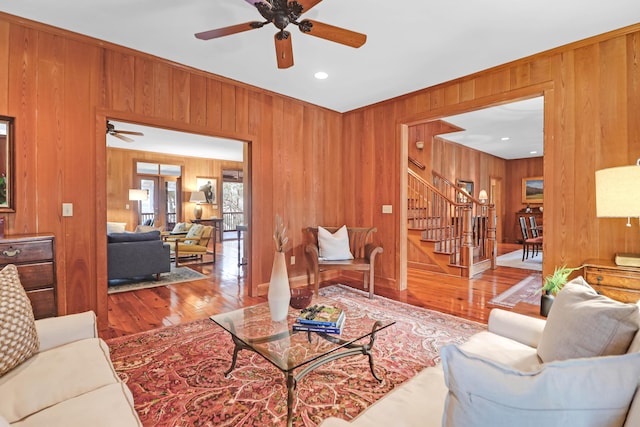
(293,260)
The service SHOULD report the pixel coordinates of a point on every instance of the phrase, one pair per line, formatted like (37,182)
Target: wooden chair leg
(316,277)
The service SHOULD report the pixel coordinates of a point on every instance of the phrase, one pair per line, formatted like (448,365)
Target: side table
(615,281)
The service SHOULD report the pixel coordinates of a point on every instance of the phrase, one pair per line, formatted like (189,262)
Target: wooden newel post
(491,236)
(467,240)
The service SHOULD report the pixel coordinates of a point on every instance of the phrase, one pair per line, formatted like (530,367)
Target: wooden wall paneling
(144,86)
(242,110)
(120,73)
(228,110)
(163,90)
(4,67)
(22,97)
(198,100)
(181,95)
(214,104)
(82,90)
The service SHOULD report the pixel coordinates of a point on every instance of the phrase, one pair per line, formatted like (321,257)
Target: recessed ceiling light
(505,138)
(533,152)
(321,75)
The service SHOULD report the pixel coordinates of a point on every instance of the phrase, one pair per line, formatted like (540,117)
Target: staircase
(449,231)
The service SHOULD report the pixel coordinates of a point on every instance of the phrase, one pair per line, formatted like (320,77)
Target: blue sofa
(133,255)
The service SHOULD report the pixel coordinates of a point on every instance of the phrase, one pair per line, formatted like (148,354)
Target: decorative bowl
(300,298)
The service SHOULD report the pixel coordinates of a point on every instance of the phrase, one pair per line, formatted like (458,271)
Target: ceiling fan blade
(334,34)
(122,137)
(306,4)
(284,50)
(226,31)
(128,132)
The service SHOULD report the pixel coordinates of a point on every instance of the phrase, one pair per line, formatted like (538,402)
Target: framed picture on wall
(209,186)
(467,186)
(532,189)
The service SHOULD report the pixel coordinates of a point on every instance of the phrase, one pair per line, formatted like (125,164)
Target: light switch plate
(387,209)
(67,209)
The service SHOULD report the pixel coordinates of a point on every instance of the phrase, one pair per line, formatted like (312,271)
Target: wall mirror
(7,175)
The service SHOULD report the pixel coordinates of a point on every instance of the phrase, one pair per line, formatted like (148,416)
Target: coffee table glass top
(288,349)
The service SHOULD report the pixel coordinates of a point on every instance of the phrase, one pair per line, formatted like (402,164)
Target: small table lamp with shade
(618,196)
(197,197)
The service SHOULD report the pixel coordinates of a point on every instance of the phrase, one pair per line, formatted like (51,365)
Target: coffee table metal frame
(342,348)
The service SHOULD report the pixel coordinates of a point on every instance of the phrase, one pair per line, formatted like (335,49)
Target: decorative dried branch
(279,235)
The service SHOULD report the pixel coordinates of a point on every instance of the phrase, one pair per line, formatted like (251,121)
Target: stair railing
(459,224)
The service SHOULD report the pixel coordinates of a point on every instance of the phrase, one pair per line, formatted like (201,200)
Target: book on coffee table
(321,315)
(337,329)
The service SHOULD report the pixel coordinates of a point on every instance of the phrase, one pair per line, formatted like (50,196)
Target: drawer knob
(599,279)
(11,252)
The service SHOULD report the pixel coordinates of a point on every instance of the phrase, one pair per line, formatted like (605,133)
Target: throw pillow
(18,336)
(182,227)
(582,323)
(588,392)
(334,247)
(116,227)
(195,232)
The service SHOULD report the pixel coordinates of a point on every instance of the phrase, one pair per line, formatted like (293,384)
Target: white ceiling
(412,44)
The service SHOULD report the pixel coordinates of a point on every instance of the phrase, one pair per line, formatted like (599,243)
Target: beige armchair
(194,244)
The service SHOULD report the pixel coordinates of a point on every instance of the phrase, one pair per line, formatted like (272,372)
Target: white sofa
(69,382)
(509,349)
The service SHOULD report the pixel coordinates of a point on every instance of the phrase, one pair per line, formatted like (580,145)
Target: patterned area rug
(176,373)
(514,260)
(527,290)
(176,275)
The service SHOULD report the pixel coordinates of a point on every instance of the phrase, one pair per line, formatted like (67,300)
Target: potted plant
(552,285)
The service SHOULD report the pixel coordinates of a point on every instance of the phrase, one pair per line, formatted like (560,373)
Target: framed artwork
(210,188)
(532,189)
(7,176)
(467,186)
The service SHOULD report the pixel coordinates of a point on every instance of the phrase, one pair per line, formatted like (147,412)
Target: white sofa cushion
(56,375)
(502,350)
(416,402)
(18,335)
(582,323)
(587,392)
(334,247)
(108,406)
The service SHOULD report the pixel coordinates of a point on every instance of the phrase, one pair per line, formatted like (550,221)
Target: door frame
(101,117)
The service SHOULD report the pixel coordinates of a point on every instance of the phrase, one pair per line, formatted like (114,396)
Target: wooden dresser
(615,281)
(33,254)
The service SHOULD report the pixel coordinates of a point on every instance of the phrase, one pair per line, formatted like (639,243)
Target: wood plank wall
(120,176)
(592,105)
(61,87)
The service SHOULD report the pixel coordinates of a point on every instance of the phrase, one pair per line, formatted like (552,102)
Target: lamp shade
(197,197)
(138,194)
(618,192)
(483,196)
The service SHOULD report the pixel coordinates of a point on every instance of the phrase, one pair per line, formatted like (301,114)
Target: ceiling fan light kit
(281,13)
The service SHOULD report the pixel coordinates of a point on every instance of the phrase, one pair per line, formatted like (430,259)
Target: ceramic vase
(279,292)
(545,304)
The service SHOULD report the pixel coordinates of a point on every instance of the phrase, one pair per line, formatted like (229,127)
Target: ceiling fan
(282,13)
(111,130)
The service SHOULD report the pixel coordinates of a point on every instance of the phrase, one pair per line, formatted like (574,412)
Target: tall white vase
(279,293)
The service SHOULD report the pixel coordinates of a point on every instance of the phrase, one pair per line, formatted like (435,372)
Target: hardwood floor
(224,290)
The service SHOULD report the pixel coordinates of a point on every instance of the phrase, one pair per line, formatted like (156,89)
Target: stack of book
(320,318)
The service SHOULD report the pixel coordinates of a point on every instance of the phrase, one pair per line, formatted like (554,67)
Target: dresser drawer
(37,275)
(615,278)
(43,302)
(19,252)
(618,294)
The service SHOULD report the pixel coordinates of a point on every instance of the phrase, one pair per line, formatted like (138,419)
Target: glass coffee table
(252,329)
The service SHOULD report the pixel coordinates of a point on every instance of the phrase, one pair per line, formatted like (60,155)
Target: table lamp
(483,197)
(197,197)
(618,196)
